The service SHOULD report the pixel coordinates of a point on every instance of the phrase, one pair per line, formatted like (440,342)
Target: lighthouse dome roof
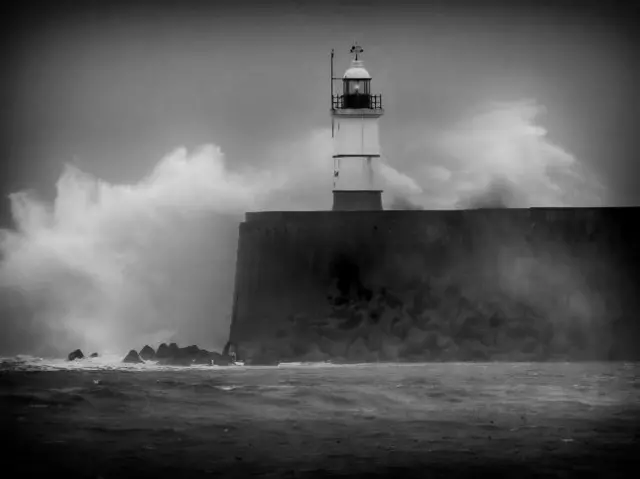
(357,70)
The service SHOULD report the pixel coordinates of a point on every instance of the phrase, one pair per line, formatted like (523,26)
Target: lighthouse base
(357,200)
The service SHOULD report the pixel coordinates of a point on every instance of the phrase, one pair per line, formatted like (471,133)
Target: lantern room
(356,87)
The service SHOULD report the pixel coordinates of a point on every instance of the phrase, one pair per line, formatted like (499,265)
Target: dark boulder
(147,353)
(172,355)
(184,356)
(163,352)
(222,359)
(94,355)
(132,358)
(77,354)
(190,351)
(203,357)
(176,359)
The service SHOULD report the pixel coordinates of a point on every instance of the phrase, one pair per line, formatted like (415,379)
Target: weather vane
(357,49)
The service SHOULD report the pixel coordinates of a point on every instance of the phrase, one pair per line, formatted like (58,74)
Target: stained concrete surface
(489,284)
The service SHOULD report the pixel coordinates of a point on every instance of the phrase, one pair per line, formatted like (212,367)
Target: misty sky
(114,89)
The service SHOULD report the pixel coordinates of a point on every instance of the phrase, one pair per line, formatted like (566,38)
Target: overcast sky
(114,89)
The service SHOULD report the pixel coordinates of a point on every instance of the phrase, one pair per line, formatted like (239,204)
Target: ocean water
(100,418)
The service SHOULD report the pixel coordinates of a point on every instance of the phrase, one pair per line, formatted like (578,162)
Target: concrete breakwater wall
(502,284)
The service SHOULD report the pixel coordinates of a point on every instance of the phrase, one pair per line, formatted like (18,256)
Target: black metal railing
(356,101)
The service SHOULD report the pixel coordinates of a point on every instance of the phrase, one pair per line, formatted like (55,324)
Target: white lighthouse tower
(356,148)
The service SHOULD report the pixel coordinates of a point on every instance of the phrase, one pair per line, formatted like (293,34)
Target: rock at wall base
(163,352)
(222,359)
(77,354)
(147,353)
(173,355)
(203,358)
(132,358)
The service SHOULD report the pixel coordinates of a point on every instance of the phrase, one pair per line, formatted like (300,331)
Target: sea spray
(110,267)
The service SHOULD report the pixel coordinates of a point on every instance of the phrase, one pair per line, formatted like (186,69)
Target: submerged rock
(94,355)
(132,357)
(77,354)
(147,353)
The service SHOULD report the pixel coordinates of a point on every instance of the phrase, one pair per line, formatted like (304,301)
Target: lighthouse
(355,112)
(297,270)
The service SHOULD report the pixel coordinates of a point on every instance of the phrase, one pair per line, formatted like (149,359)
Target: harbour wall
(485,284)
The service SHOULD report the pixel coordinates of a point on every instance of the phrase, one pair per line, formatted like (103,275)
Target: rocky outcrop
(147,353)
(221,359)
(94,355)
(132,358)
(173,355)
(174,349)
(163,352)
(77,354)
